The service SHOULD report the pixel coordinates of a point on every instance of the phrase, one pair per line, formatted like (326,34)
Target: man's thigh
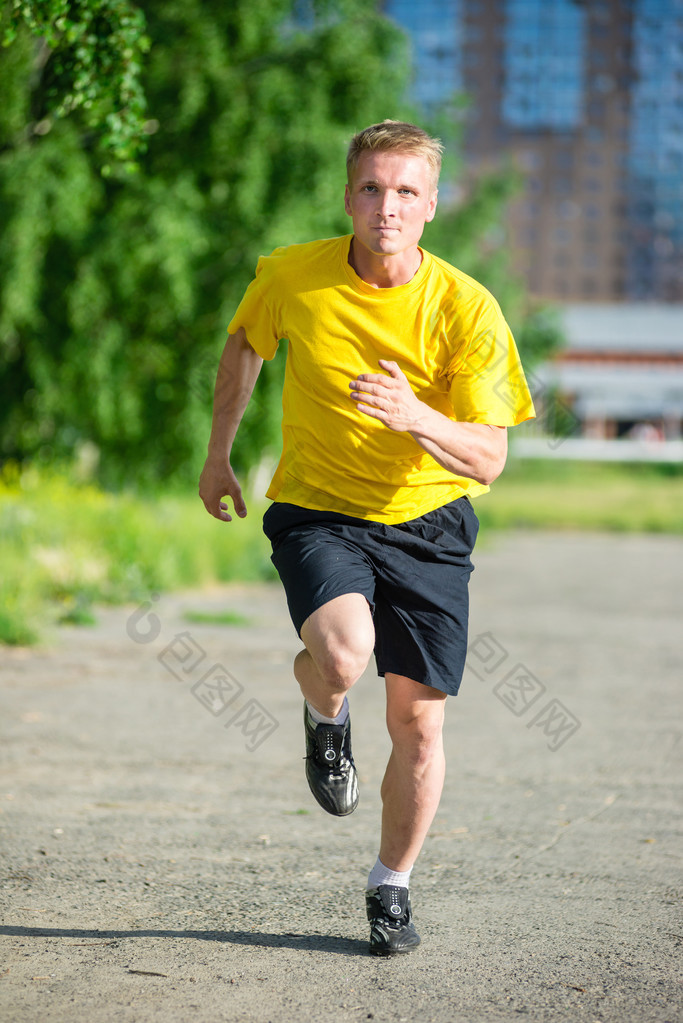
(318,563)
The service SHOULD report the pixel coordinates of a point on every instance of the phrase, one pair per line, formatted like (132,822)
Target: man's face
(390,200)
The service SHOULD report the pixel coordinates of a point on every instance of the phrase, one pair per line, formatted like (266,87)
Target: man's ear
(347,200)
(432,206)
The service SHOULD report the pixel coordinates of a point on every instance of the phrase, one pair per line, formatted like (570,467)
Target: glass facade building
(436,31)
(655,150)
(587,99)
(543,65)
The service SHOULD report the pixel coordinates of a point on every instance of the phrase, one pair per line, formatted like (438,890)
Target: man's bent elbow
(485,474)
(492,472)
(493,463)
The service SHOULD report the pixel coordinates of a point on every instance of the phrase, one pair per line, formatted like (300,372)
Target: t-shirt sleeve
(258,312)
(487,382)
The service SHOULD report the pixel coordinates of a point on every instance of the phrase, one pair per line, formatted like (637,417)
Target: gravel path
(162,859)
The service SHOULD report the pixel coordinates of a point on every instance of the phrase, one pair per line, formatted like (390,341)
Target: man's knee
(415,725)
(341,666)
(340,638)
(418,739)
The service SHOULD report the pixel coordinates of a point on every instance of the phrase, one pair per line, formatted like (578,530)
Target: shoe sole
(386,953)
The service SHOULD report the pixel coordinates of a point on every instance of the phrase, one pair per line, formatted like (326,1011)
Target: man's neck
(384,271)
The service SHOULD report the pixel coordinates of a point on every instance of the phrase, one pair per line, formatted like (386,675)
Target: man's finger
(392,368)
(219,509)
(369,382)
(240,506)
(372,410)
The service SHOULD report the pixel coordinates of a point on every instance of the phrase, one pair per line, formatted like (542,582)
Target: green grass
(215,618)
(66,547)
(631,498)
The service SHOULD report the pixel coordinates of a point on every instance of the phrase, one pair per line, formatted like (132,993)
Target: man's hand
(216,481)
(388,398)
(475,450)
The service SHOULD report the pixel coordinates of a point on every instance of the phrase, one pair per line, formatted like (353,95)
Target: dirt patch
(162,858)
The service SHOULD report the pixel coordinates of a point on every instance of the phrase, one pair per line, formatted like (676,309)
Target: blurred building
(586,99)
(619,378)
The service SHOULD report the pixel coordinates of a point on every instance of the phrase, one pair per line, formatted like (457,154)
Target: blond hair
(396,136)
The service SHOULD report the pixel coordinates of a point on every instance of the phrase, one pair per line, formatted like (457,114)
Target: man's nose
(387,204)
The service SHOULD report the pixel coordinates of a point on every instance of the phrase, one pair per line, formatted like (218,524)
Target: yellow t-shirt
(445,331)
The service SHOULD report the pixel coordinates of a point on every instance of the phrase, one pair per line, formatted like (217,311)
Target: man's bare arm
(475,450)
(238,370)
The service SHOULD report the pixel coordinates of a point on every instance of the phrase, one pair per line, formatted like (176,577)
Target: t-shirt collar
(401,289)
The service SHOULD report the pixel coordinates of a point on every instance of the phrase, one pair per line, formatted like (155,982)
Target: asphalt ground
(162,858)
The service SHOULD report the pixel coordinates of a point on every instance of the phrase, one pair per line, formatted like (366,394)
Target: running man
(401,379)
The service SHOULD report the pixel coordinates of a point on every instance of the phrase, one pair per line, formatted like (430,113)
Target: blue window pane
(435,30)
(655,159)
(543,64)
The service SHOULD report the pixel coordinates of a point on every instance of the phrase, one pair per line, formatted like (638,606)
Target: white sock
(320,719)
(382,875)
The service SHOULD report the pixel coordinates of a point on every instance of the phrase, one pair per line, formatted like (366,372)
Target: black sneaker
(330,770)
(389,913)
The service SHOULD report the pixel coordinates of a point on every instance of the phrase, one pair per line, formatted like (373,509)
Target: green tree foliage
(115,291)
(87,57)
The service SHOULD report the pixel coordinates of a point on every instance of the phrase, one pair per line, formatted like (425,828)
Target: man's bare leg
(414,777)
(339,638)
(411,790)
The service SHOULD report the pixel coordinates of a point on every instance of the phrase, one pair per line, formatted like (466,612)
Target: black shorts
(414,576)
